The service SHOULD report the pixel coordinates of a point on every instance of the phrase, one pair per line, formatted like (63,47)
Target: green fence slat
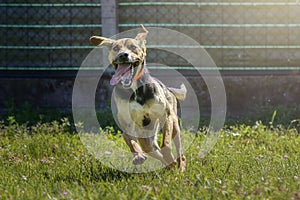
(209,3)
(164,47)
(50,4)
(253,68)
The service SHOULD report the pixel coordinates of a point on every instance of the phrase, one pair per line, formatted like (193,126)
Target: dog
(144,104)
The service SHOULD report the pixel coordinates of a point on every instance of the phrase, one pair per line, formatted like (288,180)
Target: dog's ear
(141,37)
(101,41)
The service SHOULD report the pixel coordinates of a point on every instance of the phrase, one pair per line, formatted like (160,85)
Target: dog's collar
(139,75)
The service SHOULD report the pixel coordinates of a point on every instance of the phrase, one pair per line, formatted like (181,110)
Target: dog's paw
(181,163)
(171,165)
(139,158)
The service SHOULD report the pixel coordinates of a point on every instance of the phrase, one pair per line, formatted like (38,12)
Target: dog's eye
(116,48)
(133,47)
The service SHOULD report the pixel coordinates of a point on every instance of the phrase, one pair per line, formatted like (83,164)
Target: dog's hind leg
(181,160)
(166,148)
(138,156)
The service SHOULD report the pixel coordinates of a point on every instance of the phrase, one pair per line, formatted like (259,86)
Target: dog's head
(126,55)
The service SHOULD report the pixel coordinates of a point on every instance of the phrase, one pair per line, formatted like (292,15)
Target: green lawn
(48,161)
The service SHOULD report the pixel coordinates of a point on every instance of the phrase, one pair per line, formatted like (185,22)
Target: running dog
(144,104)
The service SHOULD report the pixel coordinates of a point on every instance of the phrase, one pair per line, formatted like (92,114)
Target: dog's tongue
(121,70)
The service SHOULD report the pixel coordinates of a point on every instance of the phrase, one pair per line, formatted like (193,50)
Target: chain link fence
(240,36)
(47,36)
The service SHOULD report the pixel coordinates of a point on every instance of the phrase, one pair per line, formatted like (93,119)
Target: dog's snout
(123,55)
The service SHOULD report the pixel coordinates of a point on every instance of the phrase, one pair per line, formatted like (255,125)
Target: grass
(48,161)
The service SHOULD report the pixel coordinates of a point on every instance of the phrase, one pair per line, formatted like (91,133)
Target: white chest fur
(141,120)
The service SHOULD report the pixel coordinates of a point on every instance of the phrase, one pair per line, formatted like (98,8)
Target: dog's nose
(123,56)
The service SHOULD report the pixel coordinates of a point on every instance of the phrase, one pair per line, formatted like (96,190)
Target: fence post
(109,17)
(109,20)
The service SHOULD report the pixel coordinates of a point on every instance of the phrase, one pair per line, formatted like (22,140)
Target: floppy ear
(141,37)
(101,41)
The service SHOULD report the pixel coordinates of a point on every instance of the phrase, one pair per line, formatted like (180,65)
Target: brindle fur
(147,102)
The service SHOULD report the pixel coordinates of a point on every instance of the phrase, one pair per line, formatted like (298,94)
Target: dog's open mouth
(124,73)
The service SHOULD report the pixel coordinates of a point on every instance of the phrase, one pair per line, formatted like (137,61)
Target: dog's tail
(180,93)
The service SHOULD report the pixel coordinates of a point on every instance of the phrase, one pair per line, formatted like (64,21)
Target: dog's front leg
(150,146)
(138,156)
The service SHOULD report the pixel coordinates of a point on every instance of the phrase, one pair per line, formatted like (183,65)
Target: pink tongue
(121,70)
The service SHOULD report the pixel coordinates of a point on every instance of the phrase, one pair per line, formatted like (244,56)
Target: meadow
(251,160)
